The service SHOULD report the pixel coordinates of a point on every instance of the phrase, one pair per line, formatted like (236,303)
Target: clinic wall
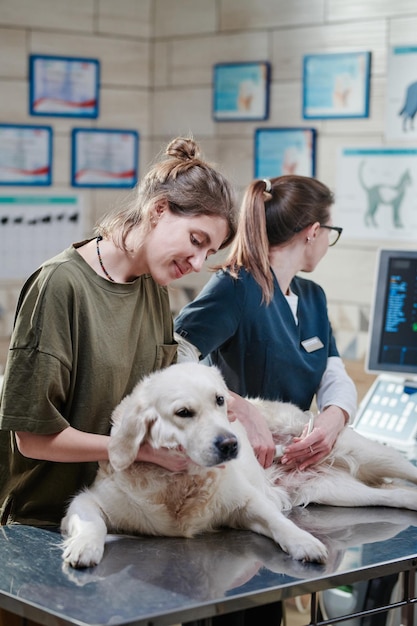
(119,35)
(188,43)
(156,63)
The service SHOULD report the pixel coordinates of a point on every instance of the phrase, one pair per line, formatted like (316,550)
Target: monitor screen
(393,326)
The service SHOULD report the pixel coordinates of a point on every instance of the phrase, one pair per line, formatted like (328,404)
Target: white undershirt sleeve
(187,352)
(337,388)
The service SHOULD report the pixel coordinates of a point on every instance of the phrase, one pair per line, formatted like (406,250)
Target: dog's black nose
(228,447)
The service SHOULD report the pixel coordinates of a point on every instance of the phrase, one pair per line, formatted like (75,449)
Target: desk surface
(144,580)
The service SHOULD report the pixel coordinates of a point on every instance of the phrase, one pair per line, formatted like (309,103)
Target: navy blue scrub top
(258,347)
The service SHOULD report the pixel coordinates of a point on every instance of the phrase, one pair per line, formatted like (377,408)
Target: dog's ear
(131,425)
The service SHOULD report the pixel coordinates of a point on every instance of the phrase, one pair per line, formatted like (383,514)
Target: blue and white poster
(376,194)
(241,91)
(401,98)
(104,158)
(336,85)
(281,151)
(25,155)
(61,86)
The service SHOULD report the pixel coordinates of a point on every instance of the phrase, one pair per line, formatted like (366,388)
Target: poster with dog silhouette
(376,194)
(401,94)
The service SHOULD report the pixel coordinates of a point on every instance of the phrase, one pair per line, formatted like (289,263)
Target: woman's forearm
(68,446)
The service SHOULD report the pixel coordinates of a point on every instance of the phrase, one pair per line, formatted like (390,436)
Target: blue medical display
(388,412)
(393,338)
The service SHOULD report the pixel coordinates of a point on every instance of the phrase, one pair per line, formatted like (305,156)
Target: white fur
(185,405)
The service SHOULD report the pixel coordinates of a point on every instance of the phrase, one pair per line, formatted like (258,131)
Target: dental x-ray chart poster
(376,193)
(34,228)
(401,94)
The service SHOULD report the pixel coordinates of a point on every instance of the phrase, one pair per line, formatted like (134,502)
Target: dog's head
(182,405)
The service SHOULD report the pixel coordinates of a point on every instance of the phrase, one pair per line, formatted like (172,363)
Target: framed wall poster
(280,151)
(241,91)
(376,193)
(401,93)
(104,158)
(25,155)
(336,85)
(64,86)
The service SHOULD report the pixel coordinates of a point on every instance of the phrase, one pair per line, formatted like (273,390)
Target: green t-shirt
(80,344)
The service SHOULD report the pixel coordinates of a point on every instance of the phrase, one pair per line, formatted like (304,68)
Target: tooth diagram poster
(34,228)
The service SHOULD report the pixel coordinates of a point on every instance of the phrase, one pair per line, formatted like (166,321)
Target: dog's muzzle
(227,447)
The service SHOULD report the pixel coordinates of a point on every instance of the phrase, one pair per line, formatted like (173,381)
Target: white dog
(185,406)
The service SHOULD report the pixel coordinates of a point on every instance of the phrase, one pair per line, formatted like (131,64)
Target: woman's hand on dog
(174,460)
(256,428)
(310,450)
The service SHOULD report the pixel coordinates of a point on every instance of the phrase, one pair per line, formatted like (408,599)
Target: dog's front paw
(80,552)
(307,548)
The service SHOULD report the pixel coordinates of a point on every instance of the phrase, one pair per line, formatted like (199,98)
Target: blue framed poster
(282,151)
(336,85)
(241,91)
(104,158)
(64,86)
(25,155)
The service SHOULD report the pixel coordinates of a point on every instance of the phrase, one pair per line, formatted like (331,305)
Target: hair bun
(183,148)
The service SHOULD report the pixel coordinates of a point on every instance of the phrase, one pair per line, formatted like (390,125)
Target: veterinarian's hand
(311,449)
(173,460)
(256,427)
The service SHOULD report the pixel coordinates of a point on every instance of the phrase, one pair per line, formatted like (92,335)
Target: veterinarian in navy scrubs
(267,328)
(91,322)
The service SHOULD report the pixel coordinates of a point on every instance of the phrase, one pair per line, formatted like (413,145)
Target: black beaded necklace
(100,238)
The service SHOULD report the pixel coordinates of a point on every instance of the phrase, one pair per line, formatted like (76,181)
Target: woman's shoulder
(308,290)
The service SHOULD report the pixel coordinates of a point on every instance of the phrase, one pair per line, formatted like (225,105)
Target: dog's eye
(220,400)
(185,413)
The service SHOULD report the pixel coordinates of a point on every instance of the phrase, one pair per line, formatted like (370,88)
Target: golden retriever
(184,406)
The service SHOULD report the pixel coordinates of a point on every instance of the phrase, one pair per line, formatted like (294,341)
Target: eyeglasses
(334,233)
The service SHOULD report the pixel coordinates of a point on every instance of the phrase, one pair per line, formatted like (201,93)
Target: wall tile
(247,14)
(125,17)
(184,17)
(122,61)
(347,265)
(192,60)
(290,46)
(60,15)
(13,56)
(160,56)
(62,160)
(185,111)
(14,103)
(359,9)
(125,108)
(403,30)
(235,159)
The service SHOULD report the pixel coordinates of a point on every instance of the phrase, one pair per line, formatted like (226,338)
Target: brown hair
(190,185)
(272,218)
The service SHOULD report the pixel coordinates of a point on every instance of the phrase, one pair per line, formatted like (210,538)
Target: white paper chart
(34,228)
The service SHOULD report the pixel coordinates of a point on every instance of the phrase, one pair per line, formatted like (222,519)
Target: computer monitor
(388,412)
(393,325)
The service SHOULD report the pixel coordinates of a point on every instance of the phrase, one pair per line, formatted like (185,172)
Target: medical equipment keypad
(388,412)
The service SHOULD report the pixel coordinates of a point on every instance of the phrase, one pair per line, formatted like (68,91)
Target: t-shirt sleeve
(37,372)
(212,318)
(33,392)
